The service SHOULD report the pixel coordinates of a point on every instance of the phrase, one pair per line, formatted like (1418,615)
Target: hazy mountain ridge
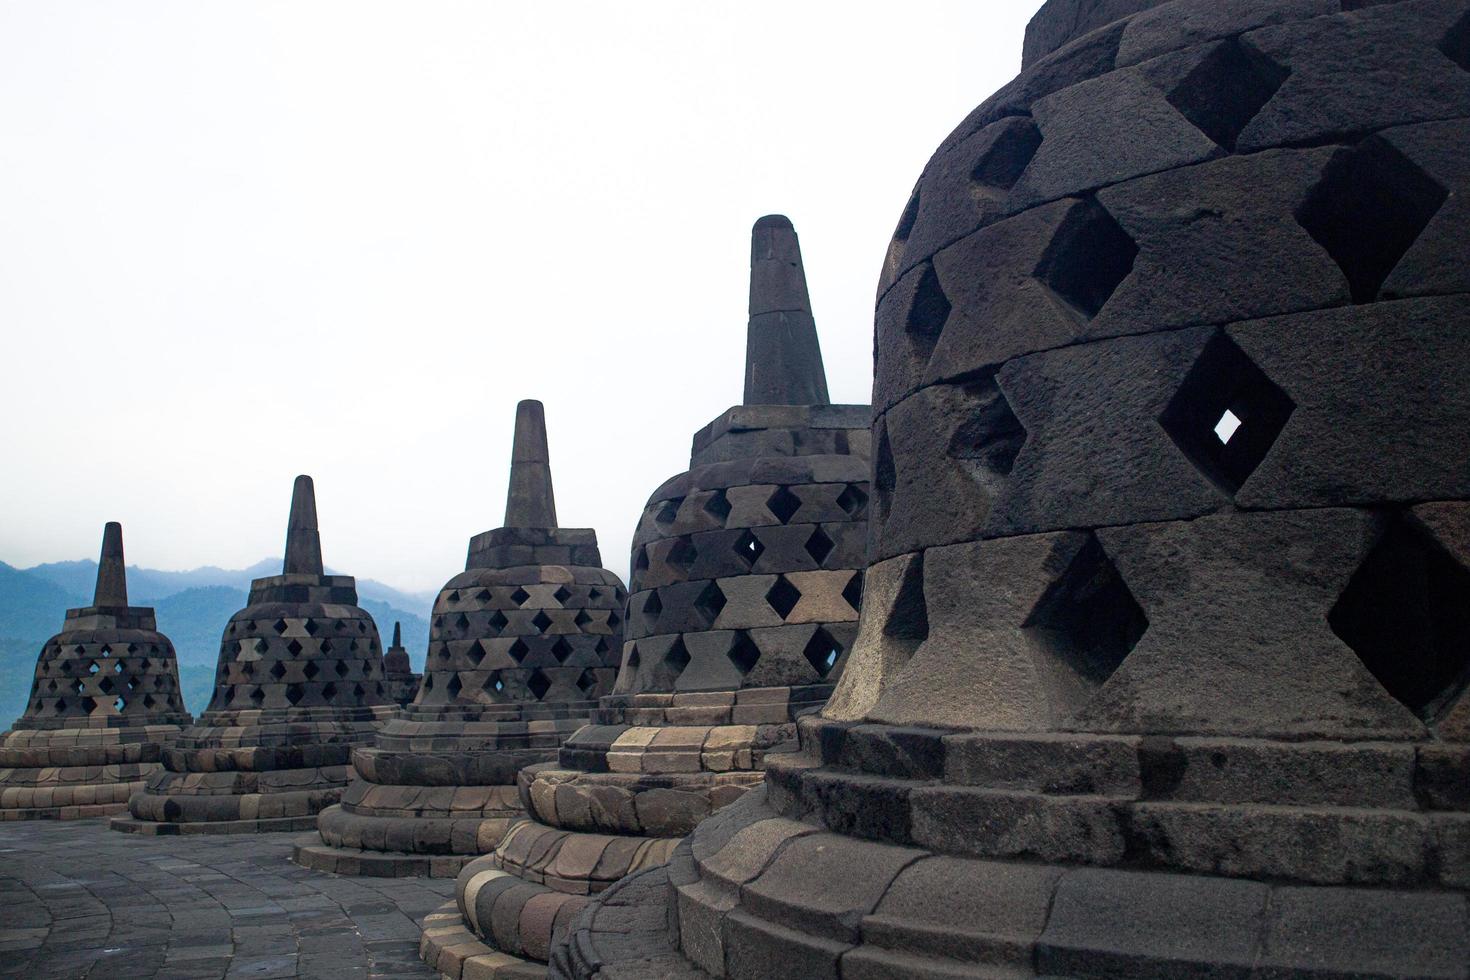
(192,608)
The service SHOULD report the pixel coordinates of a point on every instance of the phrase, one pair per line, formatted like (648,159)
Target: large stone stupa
(1163,663)
(744,602)
(521,645)
(104,703)
(299,683)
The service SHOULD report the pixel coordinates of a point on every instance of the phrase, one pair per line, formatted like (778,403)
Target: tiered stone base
(72,773)
(882,853)
(642,782)
(438,789)
(251,777)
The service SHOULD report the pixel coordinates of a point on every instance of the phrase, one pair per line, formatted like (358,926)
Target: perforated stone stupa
(400,683)
(522,643)
(104,703)
(1164,650)
(745,594)
(299,683)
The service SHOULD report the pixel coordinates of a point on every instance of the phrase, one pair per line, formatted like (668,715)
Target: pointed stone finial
(303,543)
(397,634)
(112,576)
(530,502)
(783,360)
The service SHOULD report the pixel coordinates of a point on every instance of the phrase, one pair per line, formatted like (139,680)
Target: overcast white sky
(240,241)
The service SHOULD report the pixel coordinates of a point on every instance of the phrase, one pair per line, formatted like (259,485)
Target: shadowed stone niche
(521,645)
(299,683)
(744,603)
(1163,658)
(103,706)
(400,683)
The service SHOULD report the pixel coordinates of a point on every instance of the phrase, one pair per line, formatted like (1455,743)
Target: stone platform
(192,907)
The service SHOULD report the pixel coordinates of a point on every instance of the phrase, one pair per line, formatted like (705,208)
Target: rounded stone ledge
(257,758)
(472,834)
(65,802)
(748,706)
(565,861)
(655,805)
(449,947)
(357,863)
(271,825)
(240,783)
(762,470)
(295,810)
(625,935)
(62,777)
(497,767)
(65,812)
(44,756)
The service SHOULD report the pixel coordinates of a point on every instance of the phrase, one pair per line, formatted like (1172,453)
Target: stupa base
(264,825)
(449,947)
(72,811)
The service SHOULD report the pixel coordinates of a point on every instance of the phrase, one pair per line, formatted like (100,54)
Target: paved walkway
(79,900)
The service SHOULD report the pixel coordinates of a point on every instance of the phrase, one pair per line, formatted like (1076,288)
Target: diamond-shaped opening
(117,667)
(452,597)
(519,596)
(602,645)
(461,622)
(93,669)
(822,652)
(294,693)
(710,602)
(519,651)
(498,621)
(358,692)
(587,682)
(582,618)
(106,685)
(295,648)
(784,504)
(682,553)
(247,670)
(893,260)
(1227,414)
(743,653)
(668,511)
(483,595)
(538,684)
(341,669)
(640,561)
(853,591)
(454,686)
(279,626)
(990,438)
(783,596)
(748,547)
(1003,162)
(852,500)
(311,627)
(495,683)
(1226,90)
(718,506)
(1087,621)
(310,670)
(329,691)
(326,646)
(928,312)
(653,607)
(613,619)
(819,546)
(118,704)
(562,594)
(1368,209)
(60,705)
(257,696)
(678,656)
(885,472)
(1406,614)
(1087,259)
(1456,44)
(77,687)
(561,649)
(475,653)
(261,646)
(541,621)
(278,670)
(634,657)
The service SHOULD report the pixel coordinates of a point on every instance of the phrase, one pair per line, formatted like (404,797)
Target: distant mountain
(192,609)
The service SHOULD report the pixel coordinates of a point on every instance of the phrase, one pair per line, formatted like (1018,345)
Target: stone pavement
(78,900)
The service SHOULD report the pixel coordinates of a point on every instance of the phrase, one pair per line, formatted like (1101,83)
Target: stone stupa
(400,683)
(1163,663)
(744,601)
(104,703)
(522,643)
(299,684)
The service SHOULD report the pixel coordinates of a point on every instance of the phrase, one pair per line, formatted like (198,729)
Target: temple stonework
(746,584)
(299,683)
(1165,641)
(522,643)
(104,703)
(400,683)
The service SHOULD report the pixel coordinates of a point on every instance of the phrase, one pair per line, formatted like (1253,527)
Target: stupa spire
(397,634)
(112,576)
(303,542)
(783,359)
(530,502)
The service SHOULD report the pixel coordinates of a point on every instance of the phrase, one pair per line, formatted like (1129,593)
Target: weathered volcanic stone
(1163,669)
(299,684)
(521,645)
(104,705)
(744,602)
